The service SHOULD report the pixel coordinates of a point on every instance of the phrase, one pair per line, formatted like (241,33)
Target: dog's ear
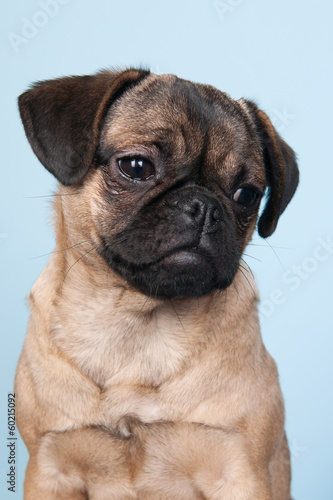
(281,169)
(62,119)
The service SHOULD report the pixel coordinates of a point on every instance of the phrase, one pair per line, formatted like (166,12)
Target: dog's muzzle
(181,244)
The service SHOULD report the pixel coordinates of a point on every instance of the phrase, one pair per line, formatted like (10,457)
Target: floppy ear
(281,170)
(62,119)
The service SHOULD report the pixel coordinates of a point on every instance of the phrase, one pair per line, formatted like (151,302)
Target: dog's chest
(116,350)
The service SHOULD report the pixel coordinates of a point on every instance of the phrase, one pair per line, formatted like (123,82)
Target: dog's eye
(136,168)
(245,197)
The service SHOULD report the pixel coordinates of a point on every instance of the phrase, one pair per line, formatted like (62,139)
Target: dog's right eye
(245,197)
(138,169)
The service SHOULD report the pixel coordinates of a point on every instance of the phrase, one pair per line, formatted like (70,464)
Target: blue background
(278,53)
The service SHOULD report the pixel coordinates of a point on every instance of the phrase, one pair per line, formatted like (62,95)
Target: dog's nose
(204,211)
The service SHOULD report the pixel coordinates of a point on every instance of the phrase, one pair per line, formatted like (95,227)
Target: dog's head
(168,174)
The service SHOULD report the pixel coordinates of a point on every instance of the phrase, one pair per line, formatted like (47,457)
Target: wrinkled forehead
(165,110)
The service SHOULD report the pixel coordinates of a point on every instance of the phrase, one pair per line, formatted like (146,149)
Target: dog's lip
(181,257)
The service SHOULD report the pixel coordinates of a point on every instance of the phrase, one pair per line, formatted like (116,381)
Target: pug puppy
(143,374)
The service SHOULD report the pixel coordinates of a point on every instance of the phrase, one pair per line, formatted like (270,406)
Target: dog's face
(169,174)
(180,169)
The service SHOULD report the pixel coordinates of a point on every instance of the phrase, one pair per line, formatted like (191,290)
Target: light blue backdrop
(278,53)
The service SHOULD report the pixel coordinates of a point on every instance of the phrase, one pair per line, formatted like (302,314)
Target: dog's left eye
(245,197)
(136,168)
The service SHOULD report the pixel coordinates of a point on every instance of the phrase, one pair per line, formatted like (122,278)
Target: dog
(143,373)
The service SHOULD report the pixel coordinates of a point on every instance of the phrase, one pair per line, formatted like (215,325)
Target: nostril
(213,219)
(216,216)
(194,209)
(201,210)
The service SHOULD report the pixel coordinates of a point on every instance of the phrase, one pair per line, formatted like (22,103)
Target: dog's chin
(184,273)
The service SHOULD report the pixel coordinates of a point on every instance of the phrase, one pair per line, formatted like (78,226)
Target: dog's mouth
(179,256)
(188,272)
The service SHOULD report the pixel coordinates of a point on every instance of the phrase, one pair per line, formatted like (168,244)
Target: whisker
(242,269)
(93,248)
(145,302)
(137,314)
(276,255)
(248,269)
(189,309)
(270,246)
(179,319)
(251,256)
(216,302)
(236,288)
(49,196)
(225,299)
(59,251)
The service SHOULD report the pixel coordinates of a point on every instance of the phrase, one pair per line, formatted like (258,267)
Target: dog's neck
(95,315)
